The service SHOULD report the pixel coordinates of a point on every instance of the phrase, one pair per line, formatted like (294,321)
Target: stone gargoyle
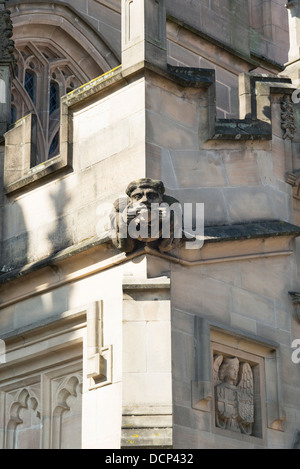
(147,216)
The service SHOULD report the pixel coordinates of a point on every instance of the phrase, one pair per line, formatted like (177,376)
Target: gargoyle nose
(144,199)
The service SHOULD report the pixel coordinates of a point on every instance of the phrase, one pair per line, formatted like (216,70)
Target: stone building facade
(149,342)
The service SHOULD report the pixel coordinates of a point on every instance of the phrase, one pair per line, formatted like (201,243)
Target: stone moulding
(215,234)
(98,357)
(202,386)
(235,233)
(193,76)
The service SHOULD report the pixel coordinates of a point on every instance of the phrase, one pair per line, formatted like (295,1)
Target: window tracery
(42,77)
(56,51)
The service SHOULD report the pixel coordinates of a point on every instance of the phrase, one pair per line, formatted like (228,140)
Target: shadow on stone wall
(22,246)
(61,235)
(14,249)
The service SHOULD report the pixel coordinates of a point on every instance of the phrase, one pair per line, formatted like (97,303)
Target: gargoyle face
(145,197)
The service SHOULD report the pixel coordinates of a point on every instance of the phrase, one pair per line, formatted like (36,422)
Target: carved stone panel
(233,387)
(237,391)
(238,381)
(23,424)
(43,411)
(66,412)
(287,118)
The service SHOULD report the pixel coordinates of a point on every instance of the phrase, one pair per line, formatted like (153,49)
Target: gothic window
(55,53)
(53,97)
(42,76)
(30,84)
(54,146)
(13,114)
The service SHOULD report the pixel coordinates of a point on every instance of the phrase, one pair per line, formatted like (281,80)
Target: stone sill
(73,317)
(242,129)
(43,170)
(146,284)
(239,232)
(52,259)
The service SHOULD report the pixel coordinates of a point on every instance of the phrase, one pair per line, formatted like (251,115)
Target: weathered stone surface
(106,348)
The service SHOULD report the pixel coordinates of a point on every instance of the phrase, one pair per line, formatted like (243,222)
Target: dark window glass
(30,84)
(13,114)
(54,97)
(54,146)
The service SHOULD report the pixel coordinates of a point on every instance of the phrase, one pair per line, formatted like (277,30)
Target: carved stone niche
(237,380)
(238,393)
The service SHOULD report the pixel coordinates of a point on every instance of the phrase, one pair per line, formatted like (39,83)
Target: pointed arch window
(54,97)
(30,84)
(13,114)
(54,55)
(42,76)
(54,146)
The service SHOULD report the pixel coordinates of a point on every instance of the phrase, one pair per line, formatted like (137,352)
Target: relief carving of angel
(233,387)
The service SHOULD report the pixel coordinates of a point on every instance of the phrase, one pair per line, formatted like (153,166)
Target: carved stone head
(144,192)
(138,220)
(229,370)
(7,45)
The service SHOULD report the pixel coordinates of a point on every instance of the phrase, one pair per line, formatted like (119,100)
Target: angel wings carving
(233,386)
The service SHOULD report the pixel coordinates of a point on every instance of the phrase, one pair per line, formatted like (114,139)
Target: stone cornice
(215,234)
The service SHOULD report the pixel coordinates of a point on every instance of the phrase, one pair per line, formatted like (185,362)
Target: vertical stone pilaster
(293,65)
(294,27)
(5,99)
(144,33)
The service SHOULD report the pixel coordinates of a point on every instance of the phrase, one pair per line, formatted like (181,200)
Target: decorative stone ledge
(146,284)
(90,316)
(264,229)
(214,234)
